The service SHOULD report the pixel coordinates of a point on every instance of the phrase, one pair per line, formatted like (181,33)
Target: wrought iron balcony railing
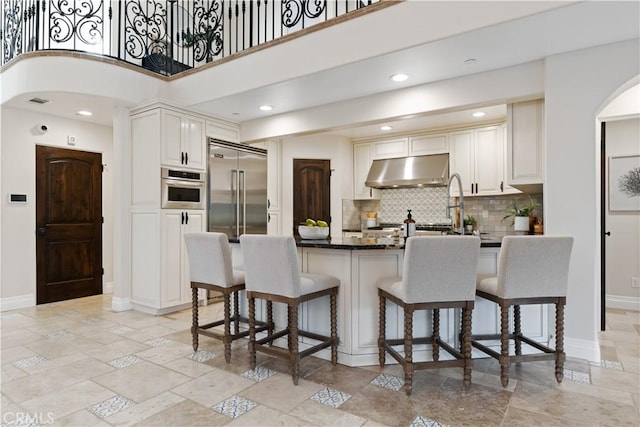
(164,36)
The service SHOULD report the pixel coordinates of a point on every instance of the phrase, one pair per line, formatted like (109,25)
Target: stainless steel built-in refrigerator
(237,187)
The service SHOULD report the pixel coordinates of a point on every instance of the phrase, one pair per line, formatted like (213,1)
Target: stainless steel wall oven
(183,189)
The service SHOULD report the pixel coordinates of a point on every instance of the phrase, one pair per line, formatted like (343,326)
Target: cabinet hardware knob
(186,158)
(182,217)
(186,217)
(502,186)
(41,231)
(182,157)
(608,233)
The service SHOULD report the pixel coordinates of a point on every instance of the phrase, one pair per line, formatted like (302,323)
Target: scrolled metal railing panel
(165,36)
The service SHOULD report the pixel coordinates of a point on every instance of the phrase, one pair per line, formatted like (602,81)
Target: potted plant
(521,213)
(470,223)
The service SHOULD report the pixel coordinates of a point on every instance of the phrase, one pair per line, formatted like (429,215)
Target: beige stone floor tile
(267,417)
(67,400)
(149,332)
(102,336)
(622,397)
(18,337)
(143,410)
(10,372)
(574,408)
(213,387)
(117,349)
(278,392)
(166,353)
(185,413)
(153,380)
(52,348)
(317,414)
(517,417)
(54,324)
(34,386)
(56,363)
(608,353)
(11,354)
(189,367)
(381,405)
(82,418)
(371,423)
(630,364)
(614,379)
(343,378)
(16,320)
(636,401)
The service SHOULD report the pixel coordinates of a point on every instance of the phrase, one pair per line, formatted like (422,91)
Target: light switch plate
(71,140)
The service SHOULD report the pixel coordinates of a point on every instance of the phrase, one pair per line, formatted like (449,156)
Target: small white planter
(521,223)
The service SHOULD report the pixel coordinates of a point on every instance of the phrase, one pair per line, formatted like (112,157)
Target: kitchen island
(359,263)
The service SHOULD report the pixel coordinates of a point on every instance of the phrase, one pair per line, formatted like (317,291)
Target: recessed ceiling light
(84,113)
(470,60)
(385,128)
(399,77)
(266,107)
(479,114)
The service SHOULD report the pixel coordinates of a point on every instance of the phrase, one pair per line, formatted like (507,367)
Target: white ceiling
(514,41)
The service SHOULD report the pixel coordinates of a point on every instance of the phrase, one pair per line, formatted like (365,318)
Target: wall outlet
(635,282)
(71,140)
(485,214)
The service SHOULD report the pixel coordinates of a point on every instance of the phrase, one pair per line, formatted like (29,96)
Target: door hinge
(103,220)
(102,270)
(101,168)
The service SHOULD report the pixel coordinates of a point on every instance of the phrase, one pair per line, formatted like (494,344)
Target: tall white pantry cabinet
(164,135)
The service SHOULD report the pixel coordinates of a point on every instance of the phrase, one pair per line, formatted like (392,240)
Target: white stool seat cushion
(488,284)
(271,267)
(436,269)
(210,259)
(531,266)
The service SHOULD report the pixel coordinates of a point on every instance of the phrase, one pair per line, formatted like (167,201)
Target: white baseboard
(20,301)
(107,288)
(582,349)
(121,304)
(622,302)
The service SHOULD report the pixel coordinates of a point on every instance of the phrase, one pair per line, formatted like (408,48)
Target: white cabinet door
(421,145)
(525,143)
(461,160)
(274,169)
(274,227)
(362,159)
(171,247)
(183,140)
(390,148)
(194,222)
(488,161)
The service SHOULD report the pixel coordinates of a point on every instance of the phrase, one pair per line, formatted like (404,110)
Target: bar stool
(272,274)
(438,272)
(210,268)
(531,270)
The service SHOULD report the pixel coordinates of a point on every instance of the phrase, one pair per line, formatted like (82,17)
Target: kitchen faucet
(460,205)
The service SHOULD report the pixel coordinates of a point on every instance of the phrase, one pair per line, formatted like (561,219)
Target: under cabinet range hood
(416,171)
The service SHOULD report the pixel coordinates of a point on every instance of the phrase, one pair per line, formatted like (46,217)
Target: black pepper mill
(409,226)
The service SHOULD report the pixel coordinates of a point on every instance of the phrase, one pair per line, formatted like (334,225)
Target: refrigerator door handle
(243,203)
(235,188)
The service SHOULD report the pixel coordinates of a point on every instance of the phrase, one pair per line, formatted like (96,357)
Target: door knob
(41,231)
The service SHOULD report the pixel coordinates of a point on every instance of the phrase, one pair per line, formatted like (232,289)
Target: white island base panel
(359,271)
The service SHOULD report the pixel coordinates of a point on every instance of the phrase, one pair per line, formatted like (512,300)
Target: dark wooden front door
(311,191)
(68,224)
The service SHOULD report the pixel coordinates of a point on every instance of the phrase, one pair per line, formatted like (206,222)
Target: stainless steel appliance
(237,188)
(416,171)
(183,189)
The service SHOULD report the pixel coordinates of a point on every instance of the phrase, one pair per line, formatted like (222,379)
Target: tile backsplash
(428,206)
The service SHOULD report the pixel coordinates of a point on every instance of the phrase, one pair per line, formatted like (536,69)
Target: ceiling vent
(39,100)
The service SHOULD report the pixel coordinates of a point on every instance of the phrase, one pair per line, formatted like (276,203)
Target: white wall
(335,148)
(17,168)
(578,85)
(623,246)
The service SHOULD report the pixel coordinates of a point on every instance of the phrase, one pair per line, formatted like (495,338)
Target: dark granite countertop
(355,243)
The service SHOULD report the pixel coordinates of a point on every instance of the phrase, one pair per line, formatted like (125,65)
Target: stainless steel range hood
(417,171)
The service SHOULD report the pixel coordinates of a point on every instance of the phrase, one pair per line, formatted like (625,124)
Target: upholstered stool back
(533,266)
(439,268)
(210,259)
(273,266)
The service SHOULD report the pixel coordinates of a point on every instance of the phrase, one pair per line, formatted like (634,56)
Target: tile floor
(77,363)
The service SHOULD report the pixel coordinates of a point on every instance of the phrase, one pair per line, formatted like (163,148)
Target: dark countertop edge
(326,244)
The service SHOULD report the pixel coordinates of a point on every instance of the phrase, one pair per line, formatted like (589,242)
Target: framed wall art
(624,183)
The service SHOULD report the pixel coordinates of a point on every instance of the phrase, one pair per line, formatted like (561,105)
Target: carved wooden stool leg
(236,313)
(517,330)
(334,328)
(293,333)
(466,345)
(504,345)
(436,335)
(559,342)
(194,318)
(227,327)
(252,333)
(270,320)
(408,350)
(382,328)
